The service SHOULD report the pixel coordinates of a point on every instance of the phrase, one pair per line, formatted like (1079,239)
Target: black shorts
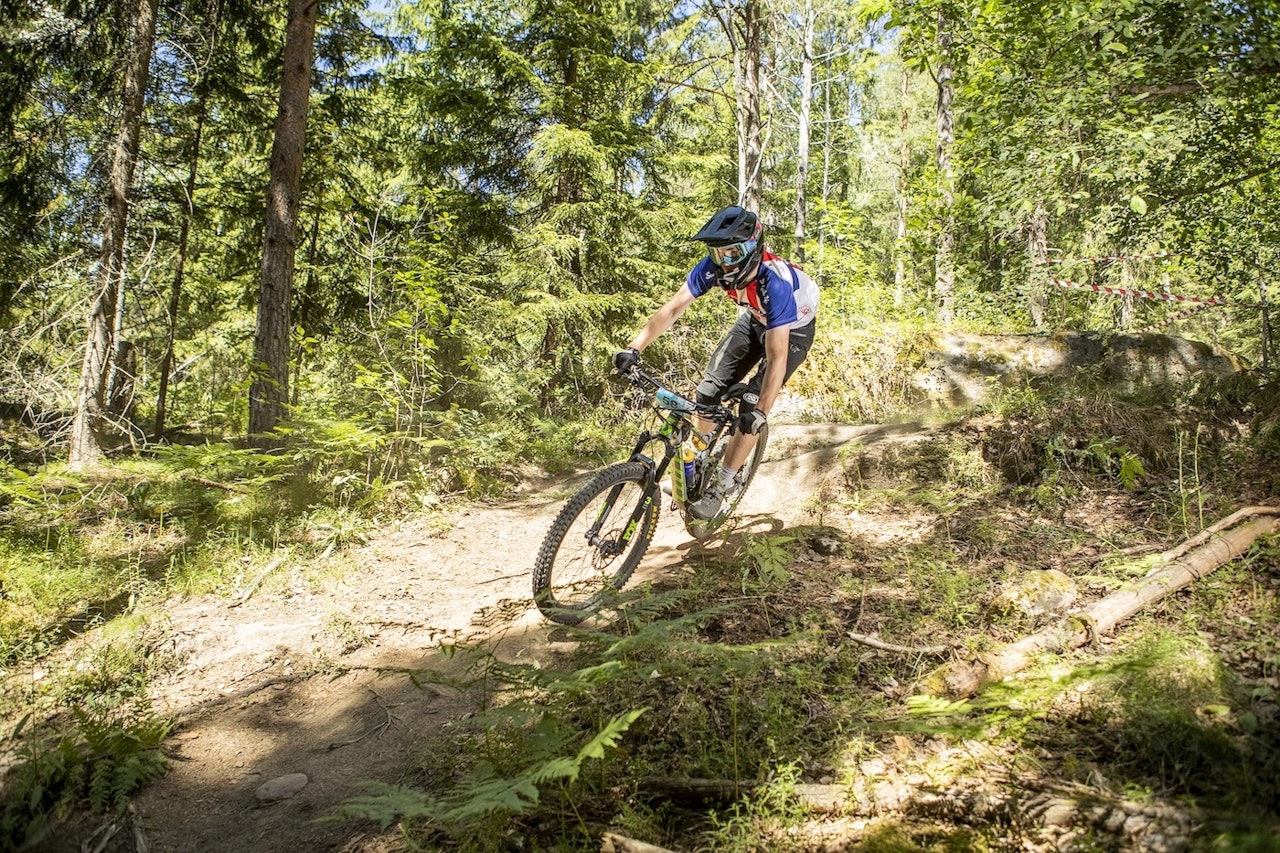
(741,349)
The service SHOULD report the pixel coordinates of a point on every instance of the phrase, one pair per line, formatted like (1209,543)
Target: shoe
(708,506)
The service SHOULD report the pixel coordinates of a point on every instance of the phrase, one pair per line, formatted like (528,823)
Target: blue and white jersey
(781,295)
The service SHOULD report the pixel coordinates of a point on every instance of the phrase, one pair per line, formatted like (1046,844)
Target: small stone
(281,788)
(827,546)
(1061,813)
(1136,824)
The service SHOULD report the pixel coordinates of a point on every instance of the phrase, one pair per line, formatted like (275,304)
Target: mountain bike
(602,532)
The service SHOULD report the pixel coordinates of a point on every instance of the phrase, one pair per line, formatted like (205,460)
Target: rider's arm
(664,317)
(777,342)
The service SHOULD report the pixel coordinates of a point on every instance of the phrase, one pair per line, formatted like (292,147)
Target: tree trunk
(86,441)
(806,109)
(307,306)
(270,389)
(1125,309)
(749,122)
(175,288)
(965,678)
(944,258)
(904,172)
(1038,249)
(612,842)
(120,400)
(826,169)
(1266,322)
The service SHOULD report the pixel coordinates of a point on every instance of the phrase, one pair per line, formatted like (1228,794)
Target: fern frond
(386,804)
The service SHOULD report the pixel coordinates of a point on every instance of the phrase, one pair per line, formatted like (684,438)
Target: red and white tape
(1141,294)
(1107,258)
(1181,315)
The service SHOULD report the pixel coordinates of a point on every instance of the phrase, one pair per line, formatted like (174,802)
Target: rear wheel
(700,529)
(595,543)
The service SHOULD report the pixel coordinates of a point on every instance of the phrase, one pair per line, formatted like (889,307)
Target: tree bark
(965,678)
(808,24)
(904,172)
(1265,321)
(1038,249)
(1125,309)
(86,443)
(745,34)
(175,288)
(269,391)
(611,842)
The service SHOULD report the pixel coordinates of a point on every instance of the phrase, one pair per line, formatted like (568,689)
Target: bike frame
(676,428)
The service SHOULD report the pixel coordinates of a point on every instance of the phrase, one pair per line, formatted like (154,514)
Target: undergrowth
(104,759)
(750,676)
(752,690)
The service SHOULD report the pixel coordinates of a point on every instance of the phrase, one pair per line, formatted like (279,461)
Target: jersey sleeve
(702,278)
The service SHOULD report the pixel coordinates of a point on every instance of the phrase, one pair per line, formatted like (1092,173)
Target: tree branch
(1229,182)
(1186,87)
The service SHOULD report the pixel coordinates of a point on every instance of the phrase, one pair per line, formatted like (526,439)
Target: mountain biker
(775,327)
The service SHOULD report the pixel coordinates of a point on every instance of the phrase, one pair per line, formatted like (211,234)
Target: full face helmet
(735,242)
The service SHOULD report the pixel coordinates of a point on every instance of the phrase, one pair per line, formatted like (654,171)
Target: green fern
(485,796)
(99,766)
(121,756)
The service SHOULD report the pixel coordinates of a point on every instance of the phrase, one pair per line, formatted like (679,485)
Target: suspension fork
(650,494)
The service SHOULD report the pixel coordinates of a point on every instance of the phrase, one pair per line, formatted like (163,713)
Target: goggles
(733,254)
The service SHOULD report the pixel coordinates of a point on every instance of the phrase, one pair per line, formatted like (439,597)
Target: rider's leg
(741,444)
(737,452)
(739,350)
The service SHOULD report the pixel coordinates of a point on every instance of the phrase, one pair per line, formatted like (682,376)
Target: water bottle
(690,470)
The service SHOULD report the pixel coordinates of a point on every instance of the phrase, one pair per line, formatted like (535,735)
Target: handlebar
(669,399)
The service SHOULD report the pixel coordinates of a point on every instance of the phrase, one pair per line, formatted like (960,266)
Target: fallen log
(1213,548)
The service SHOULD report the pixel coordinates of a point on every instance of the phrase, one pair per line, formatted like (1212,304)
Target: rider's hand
(625,360)
(752,422)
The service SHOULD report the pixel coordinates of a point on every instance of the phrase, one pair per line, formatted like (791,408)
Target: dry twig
(890,647)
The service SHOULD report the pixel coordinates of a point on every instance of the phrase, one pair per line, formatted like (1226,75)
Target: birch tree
(944,254)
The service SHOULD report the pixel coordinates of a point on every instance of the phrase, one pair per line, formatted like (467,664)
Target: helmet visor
(733,254)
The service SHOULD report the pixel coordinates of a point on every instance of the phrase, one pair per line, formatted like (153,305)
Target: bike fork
(618,546)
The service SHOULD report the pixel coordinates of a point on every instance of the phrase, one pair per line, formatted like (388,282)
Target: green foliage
(106,760)
(766,558)
(1163,713)
(484,795)
(861,373)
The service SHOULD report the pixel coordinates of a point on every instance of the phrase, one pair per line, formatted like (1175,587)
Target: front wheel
(595,543)
(700,529)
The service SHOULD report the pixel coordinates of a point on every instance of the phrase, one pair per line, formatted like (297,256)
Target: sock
(726,477)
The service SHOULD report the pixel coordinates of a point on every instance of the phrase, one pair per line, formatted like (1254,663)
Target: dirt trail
(286,682)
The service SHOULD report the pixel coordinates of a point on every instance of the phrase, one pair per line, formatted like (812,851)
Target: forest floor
(308,674)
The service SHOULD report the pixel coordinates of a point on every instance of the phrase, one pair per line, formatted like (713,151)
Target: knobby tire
(573,577)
